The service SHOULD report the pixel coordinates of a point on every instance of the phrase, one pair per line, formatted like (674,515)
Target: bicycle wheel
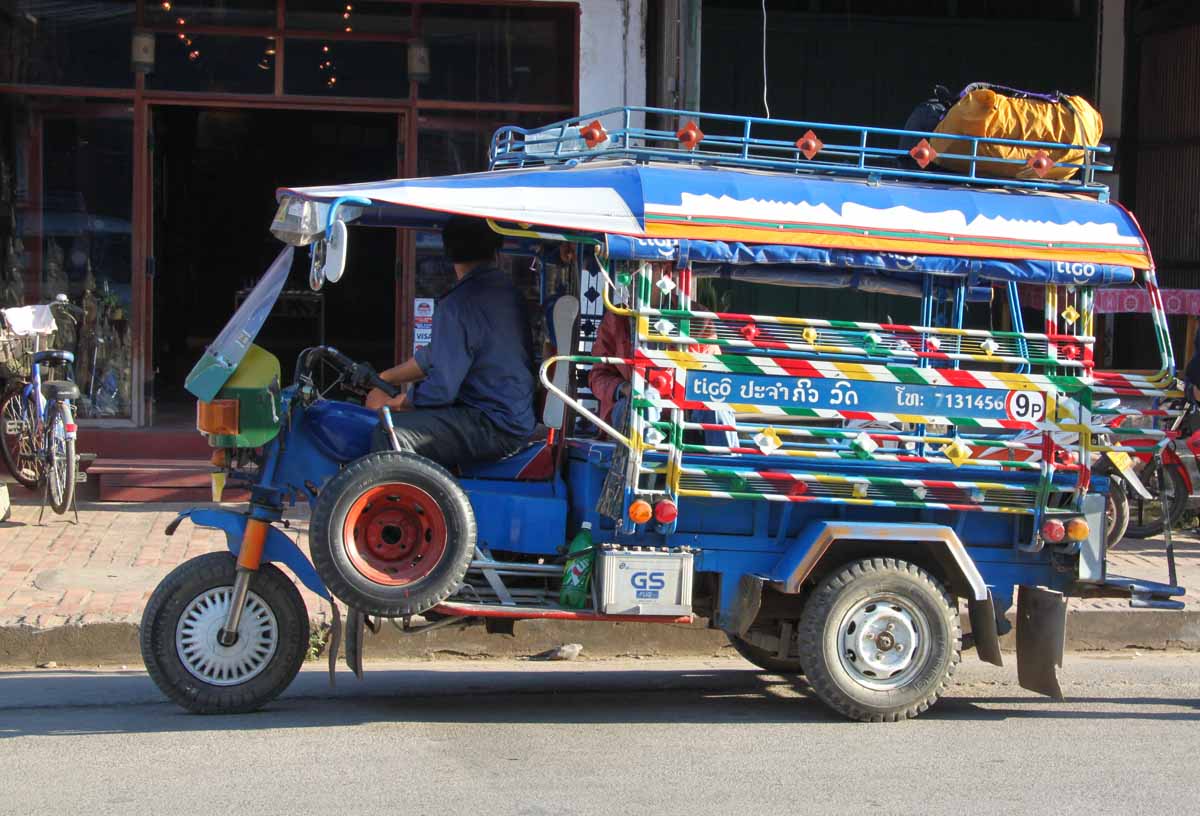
(16,439)
(60,463)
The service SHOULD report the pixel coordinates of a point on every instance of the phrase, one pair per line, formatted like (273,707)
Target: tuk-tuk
(812,486)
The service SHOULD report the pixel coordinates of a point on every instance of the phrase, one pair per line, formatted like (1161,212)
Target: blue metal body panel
(522,517)
(278,548)
(340,430)
(731,539)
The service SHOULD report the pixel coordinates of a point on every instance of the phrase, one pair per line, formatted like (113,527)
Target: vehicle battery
(644,581)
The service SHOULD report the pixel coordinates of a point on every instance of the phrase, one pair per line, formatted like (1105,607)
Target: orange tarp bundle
(986,113)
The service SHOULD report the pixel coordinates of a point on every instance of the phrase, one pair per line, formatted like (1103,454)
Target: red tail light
(665,511)
(1053,530)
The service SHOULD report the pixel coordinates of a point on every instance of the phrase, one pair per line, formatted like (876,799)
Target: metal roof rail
(788,145)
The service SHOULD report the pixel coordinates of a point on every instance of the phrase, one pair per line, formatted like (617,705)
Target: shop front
(142,188)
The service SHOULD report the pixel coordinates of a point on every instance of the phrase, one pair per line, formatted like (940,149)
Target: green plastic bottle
(577,574)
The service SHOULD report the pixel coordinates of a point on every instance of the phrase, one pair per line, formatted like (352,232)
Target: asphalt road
(605,737)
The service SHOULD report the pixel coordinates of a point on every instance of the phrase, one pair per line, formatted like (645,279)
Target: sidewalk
(75,593)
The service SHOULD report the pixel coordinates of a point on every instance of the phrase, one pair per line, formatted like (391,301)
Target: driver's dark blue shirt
(481,352)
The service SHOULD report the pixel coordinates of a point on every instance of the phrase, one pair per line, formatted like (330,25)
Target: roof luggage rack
(784,145)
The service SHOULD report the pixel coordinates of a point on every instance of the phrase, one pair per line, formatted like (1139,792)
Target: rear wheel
(17,448)
(767,659)
(60,460)
(179,636)
(880,640)
(392,534)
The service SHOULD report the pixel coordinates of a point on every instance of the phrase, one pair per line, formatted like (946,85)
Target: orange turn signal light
(1077,529)
(640,511)
(218,418)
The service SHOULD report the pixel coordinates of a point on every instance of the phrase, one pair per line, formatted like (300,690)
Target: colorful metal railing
(800,395)
(782,144)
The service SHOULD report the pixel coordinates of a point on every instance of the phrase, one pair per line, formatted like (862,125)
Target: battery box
(644,580)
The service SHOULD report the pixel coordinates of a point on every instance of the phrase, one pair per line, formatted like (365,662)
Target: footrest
(1147,594)
(1142,602)
(478,610)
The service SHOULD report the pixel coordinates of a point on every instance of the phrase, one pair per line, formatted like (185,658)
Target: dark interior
(215,176)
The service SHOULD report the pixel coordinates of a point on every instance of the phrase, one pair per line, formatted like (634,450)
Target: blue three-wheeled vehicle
(812,482)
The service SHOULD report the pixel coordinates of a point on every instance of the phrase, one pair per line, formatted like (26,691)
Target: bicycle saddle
(60,390)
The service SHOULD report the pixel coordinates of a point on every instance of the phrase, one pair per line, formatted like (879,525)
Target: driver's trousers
(451,436)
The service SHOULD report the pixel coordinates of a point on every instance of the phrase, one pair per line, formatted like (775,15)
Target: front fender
(278,547)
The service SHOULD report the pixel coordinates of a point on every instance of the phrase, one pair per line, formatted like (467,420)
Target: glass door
(67,172)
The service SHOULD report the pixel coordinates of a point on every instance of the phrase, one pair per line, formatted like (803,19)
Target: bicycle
(38,421)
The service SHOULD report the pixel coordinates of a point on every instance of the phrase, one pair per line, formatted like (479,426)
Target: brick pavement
(104,569)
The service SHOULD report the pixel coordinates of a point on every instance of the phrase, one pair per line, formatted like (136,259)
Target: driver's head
(469,240)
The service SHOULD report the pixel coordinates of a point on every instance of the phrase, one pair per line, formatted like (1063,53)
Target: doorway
(215,172)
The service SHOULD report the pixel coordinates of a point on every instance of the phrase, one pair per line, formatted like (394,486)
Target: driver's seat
(536,462)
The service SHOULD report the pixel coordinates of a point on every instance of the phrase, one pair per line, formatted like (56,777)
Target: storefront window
(493,53)
(370,17)
(67,229)
(344,68)
(243,13)
(52,43)
(215,64)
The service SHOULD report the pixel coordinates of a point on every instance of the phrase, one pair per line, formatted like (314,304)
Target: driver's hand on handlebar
(376,399)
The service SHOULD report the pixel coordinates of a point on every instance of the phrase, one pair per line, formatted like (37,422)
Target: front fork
(249,559)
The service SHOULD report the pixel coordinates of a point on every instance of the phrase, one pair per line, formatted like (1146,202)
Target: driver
(472,387)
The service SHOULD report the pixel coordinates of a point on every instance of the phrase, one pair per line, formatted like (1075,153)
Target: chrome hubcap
(883,642)
(205,658)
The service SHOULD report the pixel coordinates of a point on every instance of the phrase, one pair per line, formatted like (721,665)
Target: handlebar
(75,313)
(357,375)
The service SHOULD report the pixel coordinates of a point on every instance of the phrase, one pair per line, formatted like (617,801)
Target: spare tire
(392,534)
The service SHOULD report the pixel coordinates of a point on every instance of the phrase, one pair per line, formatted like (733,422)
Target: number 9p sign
(1025,406)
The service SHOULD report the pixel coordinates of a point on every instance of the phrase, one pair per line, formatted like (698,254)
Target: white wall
(1111,65)
(612,58)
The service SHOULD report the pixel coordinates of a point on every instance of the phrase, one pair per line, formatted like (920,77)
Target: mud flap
(745,606)
(335,641)
(1041,637)
(356,625)
(984,631)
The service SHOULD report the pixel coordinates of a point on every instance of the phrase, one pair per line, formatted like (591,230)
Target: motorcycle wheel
(1146,515)
(1116,512)
(179,636)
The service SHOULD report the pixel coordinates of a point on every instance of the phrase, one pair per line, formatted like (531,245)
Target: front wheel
(16,444)
(179,636)
(1116,512)
(880,640)
(1146,515)
(60,458)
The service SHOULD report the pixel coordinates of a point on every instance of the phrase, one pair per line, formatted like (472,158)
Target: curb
(117,643)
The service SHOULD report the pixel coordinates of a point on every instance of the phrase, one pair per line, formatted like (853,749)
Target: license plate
(14,427)
(1122,460)
(80,477)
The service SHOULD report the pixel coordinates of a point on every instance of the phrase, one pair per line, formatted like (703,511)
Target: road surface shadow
(76,703)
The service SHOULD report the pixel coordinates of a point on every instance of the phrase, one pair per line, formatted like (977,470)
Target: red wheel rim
(394,534)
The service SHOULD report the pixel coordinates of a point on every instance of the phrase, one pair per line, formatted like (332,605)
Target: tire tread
(812,630)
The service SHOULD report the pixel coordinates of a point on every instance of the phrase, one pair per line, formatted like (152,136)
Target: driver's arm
(408,371)
(405,373)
